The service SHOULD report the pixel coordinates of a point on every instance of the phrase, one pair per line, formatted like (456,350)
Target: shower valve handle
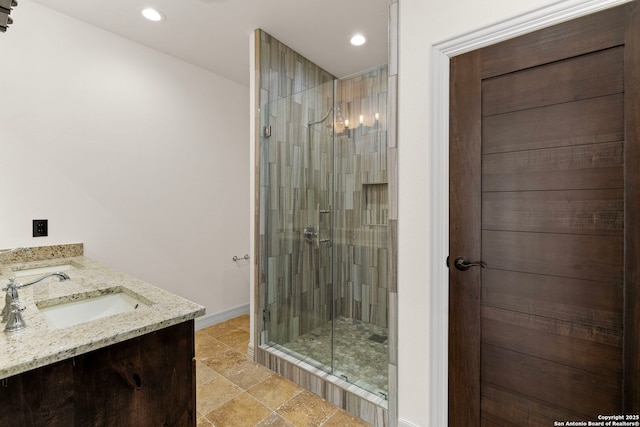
(309,234)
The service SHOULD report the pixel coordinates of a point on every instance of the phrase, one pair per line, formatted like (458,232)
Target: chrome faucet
(62,276)
(13,307)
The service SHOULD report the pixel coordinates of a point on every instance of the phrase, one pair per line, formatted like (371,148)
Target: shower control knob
(310,234)
(463,264)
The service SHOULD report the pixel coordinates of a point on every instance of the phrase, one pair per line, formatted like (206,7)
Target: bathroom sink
(89,308)
(43,270)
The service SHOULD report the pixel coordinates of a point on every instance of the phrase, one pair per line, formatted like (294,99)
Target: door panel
(567,211)
(555,83)
(597,305)
(540,186)
(582,122)
(594,166)
(552,383)
(574,38)
(552,339)
(500,407)
(577,256)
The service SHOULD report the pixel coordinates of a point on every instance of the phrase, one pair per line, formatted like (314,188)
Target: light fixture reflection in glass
(339,118)
(339,121)
(358,40)
(152,14)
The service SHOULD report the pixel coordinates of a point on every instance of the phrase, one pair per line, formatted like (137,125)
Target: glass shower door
(324,228)
(296,187)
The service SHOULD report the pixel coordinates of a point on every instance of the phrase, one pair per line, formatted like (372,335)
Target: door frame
(440,53)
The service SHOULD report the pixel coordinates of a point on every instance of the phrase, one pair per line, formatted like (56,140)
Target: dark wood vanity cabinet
(144,381)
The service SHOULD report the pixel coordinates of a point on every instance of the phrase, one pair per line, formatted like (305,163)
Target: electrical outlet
(40,227)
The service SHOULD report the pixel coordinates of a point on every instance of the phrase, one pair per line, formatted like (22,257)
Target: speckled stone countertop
(40,344)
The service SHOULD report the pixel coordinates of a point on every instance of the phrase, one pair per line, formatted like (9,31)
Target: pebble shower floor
(360,355)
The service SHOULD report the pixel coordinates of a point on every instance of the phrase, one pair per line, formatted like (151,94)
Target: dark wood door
(544,189)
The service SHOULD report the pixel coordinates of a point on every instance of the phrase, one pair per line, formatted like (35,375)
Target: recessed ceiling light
(358,40)
(152,14)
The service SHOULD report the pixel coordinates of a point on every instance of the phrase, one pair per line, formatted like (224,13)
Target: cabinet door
(144,381)
(149,380)
(41,397)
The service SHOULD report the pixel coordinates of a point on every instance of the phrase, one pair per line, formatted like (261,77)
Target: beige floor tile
(225,361)
(208,347)
(274,391)
(240,348)
(217,330)
(306,409)
(240,322)
(236,339)
(344,419)
(274,420)
(242,411)
(215,393)
(204,374)
(223,372)
(201,421)
(247,374)
(199,334)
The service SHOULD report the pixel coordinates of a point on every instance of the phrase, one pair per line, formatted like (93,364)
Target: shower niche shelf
(375,203)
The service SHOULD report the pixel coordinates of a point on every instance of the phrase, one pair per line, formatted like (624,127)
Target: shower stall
(324,209)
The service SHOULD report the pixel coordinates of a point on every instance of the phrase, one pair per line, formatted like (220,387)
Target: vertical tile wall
(362,207)
(368,189)
(296,175)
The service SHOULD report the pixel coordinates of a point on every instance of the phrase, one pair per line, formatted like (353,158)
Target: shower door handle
(318,226)
(318,213)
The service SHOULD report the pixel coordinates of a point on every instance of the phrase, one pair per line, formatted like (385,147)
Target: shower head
(321,120)
(339,119)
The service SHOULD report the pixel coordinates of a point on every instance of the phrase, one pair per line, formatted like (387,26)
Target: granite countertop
(40,344)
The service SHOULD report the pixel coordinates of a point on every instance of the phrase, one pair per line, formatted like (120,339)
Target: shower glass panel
(323,213)
(361,211)
(296,187)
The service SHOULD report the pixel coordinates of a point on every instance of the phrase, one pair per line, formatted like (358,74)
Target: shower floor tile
(361,352)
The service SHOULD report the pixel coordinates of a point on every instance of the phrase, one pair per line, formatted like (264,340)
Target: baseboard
(221,316)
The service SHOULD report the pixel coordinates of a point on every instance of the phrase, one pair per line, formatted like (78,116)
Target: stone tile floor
(233,391)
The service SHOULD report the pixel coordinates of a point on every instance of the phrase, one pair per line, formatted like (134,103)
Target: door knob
(463,264)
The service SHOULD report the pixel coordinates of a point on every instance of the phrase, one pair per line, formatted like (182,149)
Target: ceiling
(214,34)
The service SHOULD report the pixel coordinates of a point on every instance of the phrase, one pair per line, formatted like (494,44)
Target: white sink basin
(87,309)
(42,270)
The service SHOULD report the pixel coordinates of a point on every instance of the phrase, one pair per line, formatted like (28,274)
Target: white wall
(422,24)
(138,155)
